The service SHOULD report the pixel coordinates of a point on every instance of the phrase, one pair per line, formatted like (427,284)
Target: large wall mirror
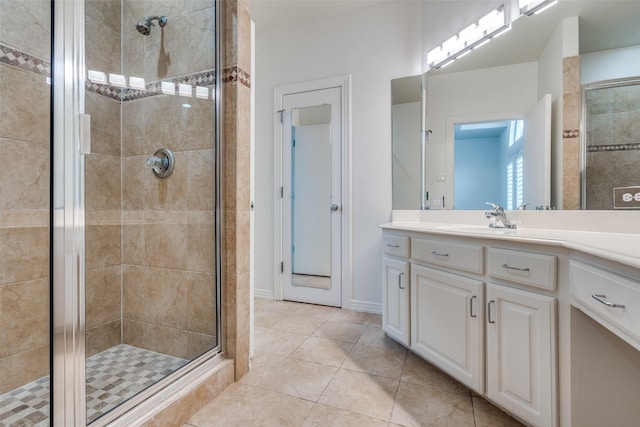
(407,118)
(505,81)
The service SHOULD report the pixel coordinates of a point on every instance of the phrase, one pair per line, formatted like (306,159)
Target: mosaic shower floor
(113,376)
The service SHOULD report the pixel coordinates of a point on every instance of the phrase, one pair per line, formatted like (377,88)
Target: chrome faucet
(499,216)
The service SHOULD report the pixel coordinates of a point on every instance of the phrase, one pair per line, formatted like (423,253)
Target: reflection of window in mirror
(489,164)
(515,165)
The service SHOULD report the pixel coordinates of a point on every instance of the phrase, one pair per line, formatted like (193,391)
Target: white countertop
(620,247)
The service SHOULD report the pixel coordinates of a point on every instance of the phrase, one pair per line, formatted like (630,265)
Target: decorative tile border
(204,78)
(613,147)
(24,61)
(574,133)
(236,74)
(104,90)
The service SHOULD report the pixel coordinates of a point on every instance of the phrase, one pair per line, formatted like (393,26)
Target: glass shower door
(25,58)
(150,199)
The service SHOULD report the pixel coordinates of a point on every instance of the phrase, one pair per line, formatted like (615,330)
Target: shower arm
(162,20)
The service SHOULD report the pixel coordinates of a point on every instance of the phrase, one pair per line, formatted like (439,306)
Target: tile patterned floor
(322,366)
(27,405)
(113,376)
(120,372)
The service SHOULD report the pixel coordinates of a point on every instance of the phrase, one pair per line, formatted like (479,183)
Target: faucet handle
(495,206)
(522,207)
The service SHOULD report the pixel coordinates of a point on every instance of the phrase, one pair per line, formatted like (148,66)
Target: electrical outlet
(437,202)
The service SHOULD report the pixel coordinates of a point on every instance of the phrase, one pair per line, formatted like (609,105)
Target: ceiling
(480,130)
(604,24)
(268,14)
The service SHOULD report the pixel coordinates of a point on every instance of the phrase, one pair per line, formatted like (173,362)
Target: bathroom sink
(480,229)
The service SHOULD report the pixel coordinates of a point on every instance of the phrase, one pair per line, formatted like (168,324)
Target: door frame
(344,83)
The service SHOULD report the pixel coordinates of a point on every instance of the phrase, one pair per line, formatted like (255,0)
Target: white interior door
(312,199)
(537,161)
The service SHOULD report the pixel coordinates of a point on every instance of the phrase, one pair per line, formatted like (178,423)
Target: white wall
(506,92)
(374,45)
(610,64)
(563,43)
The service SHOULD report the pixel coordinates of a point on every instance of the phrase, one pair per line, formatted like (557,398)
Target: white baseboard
(263,294)
(367,307)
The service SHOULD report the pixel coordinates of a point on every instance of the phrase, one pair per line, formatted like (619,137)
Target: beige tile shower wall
(613,122)
(24,195)
(237,151)
(185,45)
(169,233)
(103,184)
(571,133)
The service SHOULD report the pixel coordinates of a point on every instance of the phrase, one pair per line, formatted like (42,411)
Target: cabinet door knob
(489,311)
(602,299)
(508,267)
(471,313)
(400,280)
(436,253)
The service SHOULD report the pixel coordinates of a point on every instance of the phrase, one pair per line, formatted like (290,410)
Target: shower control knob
(162,162)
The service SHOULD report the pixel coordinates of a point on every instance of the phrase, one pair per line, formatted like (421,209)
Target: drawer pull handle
(389,245)
(603,300)
(489,311)
(508,267)
(471,313)
(400,280)
(435,253)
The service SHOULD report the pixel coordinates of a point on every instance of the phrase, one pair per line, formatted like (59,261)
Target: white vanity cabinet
(521,353)
(447,323)
(485,315)
(395,285)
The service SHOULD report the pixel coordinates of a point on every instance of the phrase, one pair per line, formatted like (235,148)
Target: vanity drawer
(528,268)
(589,282)
(461,256)
(397,246)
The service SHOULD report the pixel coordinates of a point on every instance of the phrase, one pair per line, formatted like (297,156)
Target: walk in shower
(611,144)
(109,265)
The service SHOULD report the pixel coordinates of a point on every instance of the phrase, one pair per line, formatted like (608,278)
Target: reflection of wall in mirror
(480,166)
(496,93)
(405,119)
(311,232)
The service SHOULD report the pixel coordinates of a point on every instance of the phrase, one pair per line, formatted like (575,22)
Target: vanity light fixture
(476,34)
(530,7)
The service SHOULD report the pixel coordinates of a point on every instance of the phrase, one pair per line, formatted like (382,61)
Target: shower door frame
(67,375)
(70,141)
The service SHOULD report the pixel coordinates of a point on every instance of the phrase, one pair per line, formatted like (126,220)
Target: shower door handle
(85,133)
(334,208)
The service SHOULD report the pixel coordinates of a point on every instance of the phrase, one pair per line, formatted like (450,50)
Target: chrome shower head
(144,25)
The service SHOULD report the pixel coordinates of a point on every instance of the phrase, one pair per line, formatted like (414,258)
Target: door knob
(334,208)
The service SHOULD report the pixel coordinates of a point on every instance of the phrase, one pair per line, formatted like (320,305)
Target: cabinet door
(395,299)
(521,354)
(447,322)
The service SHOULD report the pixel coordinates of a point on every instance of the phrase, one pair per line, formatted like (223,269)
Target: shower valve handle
(162,163)
(155,162)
